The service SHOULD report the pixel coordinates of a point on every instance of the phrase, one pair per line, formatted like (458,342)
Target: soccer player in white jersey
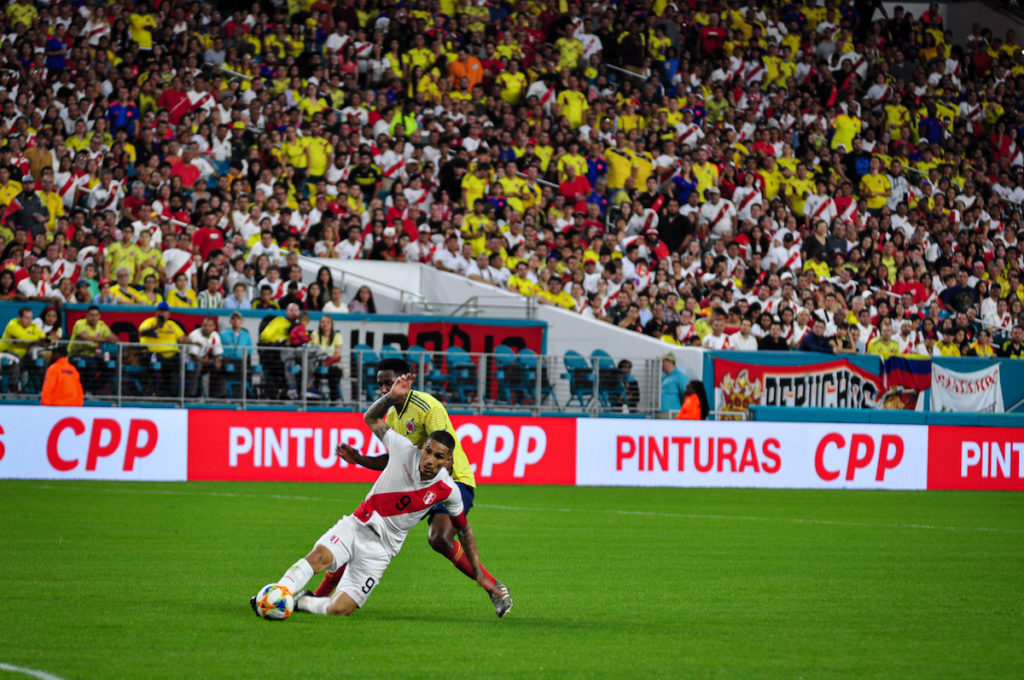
(367,540)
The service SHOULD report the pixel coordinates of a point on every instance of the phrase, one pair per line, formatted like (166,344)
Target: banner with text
(976,458)
(290,446)
(974,392)
(45,442)
(782,455)
(829,384)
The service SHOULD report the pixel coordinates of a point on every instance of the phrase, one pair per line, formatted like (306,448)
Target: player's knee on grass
(341,605)
(320,558)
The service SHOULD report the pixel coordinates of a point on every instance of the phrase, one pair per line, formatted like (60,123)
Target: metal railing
(304,377)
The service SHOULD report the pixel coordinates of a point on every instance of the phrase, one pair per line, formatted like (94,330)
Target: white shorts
(356,545)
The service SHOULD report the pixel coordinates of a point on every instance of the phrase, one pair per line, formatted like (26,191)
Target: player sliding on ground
(366,541)
(413,416)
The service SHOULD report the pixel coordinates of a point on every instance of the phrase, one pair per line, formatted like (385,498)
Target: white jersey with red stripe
(399,499)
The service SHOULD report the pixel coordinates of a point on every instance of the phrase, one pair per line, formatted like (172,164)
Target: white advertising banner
(974,392)
(46,442)
(750,454)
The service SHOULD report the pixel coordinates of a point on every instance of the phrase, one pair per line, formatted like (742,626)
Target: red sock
(462,563)
(330,582)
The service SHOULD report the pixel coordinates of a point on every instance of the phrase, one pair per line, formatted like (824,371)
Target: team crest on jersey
(410,426)
(429,498)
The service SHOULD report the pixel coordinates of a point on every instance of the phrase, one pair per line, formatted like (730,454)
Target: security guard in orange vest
(62,386)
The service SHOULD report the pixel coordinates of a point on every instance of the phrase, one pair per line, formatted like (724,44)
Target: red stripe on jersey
(401,502)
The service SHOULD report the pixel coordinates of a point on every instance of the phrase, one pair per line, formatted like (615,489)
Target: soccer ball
(275,602)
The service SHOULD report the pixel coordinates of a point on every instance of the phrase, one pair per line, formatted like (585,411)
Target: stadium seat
(368,371)
(421,361)
(610,388)
(461,373)
(580,377)
(530,362)
(509,374)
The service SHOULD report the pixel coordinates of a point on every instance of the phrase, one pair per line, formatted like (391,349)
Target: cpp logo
(834,456)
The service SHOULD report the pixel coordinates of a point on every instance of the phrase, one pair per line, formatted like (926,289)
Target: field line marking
(515,508)
(41,675)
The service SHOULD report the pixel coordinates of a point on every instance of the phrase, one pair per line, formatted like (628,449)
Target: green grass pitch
(119,580)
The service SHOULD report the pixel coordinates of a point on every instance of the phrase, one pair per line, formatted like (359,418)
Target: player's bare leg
(441,537)
(341,604)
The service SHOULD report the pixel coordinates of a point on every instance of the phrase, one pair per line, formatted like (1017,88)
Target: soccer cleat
(305,592)
(255,609)
(501,598)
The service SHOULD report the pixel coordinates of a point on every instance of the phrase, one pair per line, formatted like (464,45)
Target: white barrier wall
(566,330)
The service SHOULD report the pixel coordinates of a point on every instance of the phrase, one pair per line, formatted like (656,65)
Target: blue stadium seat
(610,389)
(368,373)
(461,373)
(421,361)
(530,361)
(580,377)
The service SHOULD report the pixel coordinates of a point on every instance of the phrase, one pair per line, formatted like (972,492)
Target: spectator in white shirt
(335,304)
(206,351)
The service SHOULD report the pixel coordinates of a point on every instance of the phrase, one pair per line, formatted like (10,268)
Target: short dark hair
(444,438)
(396,365)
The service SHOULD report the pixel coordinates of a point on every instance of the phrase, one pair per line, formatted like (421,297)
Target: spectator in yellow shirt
(19,336)
(875,187)
(884,346)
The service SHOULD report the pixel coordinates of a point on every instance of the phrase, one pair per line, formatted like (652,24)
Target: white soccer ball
(275,602)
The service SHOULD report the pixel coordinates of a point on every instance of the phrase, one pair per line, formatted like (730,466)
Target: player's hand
(347,454)
(401,388)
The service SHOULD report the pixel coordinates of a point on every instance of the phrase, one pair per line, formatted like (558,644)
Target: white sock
(297,576)
(314,605)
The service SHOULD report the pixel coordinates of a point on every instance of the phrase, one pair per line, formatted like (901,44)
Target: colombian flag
(907,372)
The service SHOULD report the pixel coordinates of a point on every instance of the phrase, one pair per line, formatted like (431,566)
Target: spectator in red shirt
(209,237)
(184,168)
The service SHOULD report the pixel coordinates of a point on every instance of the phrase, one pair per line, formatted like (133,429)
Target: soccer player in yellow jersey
(415,418)
(875,187)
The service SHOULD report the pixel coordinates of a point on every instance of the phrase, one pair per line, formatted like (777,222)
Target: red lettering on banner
(2,450)
(749,457)
(661,453)
(702,467)
(134,448)
(625,447)
(856,462)
(861,453)
(889,442)
(976,458)
(819,456)
(56,462)
(772,454)
(721,454)
(726,452)
(97,449)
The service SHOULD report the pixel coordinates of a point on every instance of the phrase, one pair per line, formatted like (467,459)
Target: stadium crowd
(732,175)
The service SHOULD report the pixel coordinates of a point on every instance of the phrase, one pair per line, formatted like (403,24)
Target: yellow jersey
(166,341)
(877,185)
(121,255)
(17,338)
(422,414)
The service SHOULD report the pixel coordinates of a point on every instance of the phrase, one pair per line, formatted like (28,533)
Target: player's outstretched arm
(352,456)
(375,416)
